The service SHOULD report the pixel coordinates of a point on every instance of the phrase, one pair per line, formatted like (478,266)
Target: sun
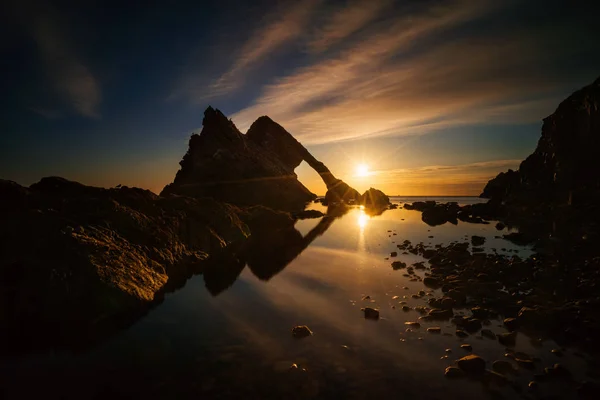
(362,170)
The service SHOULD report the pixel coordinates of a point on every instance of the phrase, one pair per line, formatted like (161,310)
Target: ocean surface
(234,340)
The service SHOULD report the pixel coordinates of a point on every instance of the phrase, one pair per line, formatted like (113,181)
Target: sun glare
(362,170)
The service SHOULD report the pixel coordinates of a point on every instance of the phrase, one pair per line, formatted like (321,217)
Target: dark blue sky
(108,92)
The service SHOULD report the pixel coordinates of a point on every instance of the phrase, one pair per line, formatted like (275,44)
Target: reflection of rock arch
(266,254)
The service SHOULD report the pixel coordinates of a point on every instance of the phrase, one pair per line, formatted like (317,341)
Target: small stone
(488,334)
(472,364)
(367,298)
(412,324)
(525,363)
(502,367)
(511,323)
(533,385)
(480,313)
(461,334)
(396,265)
(405,308)
(466,346)
(370,313)
(448,350)
(453,372)
(557,352)
(394,254)
(301,331)
(507,339)
(434,329)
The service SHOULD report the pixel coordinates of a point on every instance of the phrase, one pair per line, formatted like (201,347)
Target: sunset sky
(435,97)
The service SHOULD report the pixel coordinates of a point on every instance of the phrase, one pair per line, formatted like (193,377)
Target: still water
(236,341)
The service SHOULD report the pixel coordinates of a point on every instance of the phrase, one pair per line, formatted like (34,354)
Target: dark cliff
(564,169)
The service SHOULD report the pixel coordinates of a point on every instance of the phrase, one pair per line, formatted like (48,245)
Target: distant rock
(374,198)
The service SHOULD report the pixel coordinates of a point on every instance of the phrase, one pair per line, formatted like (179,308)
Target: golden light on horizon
(361,170)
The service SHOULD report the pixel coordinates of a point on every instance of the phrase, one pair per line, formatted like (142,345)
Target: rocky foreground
(553,201)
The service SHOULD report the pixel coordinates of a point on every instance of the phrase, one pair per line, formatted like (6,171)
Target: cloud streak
(71,78)
(281,28)
(403,76)
(346,21)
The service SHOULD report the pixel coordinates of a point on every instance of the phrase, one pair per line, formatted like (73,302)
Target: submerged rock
(301,331)
(370,313)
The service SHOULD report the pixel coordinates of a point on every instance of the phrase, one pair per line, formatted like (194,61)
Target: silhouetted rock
(252,169)
(374,198)
(564,168)
(72,253)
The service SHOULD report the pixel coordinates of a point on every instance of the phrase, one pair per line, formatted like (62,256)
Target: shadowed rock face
(565,167)
(255,168)
(72,254)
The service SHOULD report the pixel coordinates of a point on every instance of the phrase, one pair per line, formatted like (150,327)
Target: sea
(236,342)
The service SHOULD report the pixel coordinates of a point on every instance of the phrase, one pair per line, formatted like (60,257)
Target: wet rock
(479,312)
(511,323)
(466,347)
(487,333)
(440,314)
(453,372)
(434,329)
(394,254)
(413,324)
(370,313)
(503,367)
(471,364)
(431,282)
(396,265)
(461,333)
(507,339)
(405,308)
(557,352)
(500,226)
(301,331)
(558,371)
(533,385)
(525,363)
(477,241)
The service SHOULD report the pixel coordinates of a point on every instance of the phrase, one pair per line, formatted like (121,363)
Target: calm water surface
(238,343)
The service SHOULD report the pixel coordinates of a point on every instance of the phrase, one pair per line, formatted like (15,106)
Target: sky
(434,97)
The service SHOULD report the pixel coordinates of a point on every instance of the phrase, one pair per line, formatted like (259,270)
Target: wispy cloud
(405,77)
(281,27)
(71,78)
(346,21)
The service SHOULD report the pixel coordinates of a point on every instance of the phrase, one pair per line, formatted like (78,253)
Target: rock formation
(72,254)
(564,169)
(255,168)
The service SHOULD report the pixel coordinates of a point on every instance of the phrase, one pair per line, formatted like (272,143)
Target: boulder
(471,364)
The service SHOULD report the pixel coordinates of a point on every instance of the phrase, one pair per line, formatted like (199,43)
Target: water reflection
(266,254)
(362,219)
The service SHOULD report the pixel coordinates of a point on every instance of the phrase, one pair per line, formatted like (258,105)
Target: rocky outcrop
(251,169)
(564,169)
(73,254)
